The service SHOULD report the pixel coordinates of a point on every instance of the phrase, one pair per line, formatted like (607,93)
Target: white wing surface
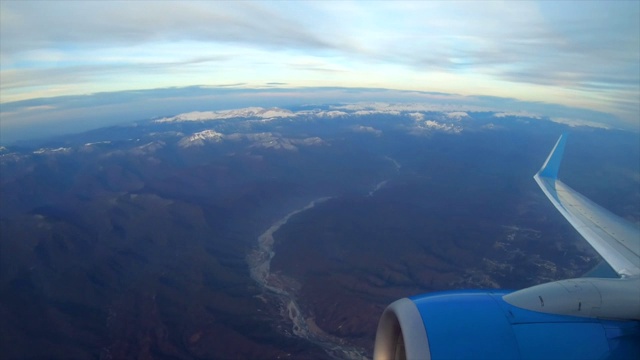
(615,239)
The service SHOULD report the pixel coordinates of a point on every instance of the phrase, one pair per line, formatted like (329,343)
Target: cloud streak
(46,116)
(574,53)
(94,24)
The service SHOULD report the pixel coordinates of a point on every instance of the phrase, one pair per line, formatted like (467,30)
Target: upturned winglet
(552,165)
(615,239)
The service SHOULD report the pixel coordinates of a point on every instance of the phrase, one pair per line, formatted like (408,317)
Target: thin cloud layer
(94,24)
(35,118)
(579,54)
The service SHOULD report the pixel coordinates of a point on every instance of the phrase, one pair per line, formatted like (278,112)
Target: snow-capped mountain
(250,112)
(448,112)
(250,126)
(60,150)
(434,125)
(200,138)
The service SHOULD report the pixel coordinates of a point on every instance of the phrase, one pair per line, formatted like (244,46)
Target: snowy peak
(148,148)
(367,129)
(275,141)
(97,143)
(457,115)
(331,114)
(520,114)
(397,108)
(250,112)
(448,128)
(48,151)
(200,138)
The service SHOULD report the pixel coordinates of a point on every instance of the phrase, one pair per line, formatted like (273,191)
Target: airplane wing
(585,318)
(615,239)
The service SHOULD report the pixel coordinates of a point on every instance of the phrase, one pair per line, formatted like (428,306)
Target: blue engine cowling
(481,325)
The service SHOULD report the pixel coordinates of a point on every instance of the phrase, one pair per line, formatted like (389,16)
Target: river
(278,291)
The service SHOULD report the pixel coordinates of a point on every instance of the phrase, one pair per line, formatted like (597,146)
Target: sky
(583,55)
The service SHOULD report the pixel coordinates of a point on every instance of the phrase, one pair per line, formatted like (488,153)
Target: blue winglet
(551,166)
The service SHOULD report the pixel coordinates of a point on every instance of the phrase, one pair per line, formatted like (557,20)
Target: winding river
(276,285)
(280,290)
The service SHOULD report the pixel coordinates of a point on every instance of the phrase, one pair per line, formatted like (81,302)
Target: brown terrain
(144,248)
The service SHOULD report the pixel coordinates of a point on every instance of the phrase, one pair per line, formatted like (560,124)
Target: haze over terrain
(272,232)
(228,180)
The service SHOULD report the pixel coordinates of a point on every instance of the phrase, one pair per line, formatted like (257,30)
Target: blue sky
(576,54)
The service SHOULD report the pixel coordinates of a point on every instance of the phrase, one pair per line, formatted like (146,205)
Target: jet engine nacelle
(481,325)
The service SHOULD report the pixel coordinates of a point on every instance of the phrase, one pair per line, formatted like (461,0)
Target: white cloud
(48,24)
(579,122)
(582,53)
